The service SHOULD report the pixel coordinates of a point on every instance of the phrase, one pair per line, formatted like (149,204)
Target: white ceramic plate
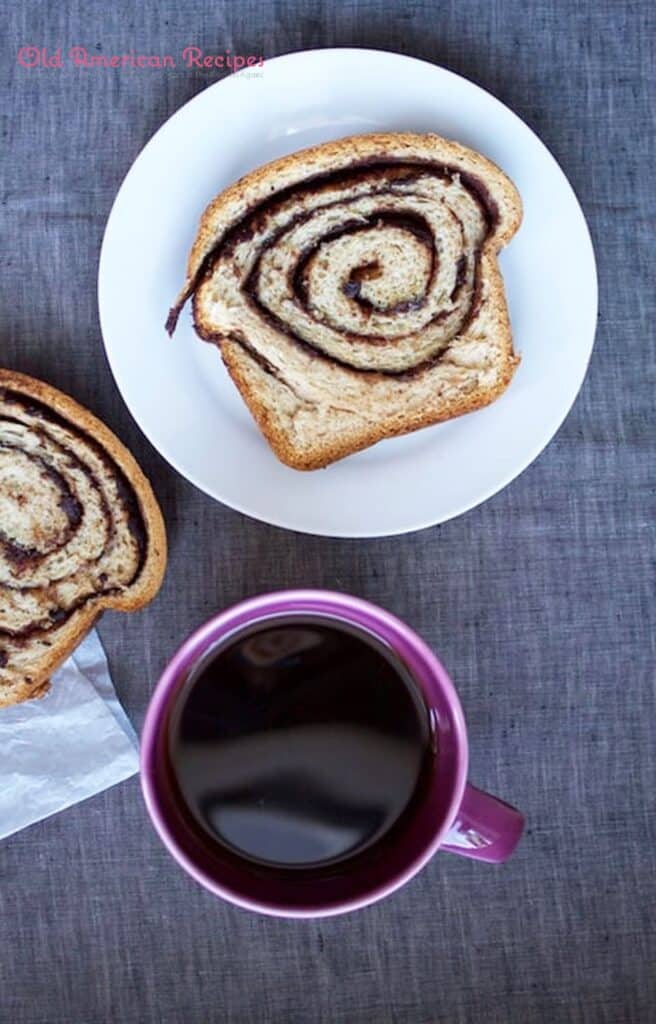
(178,390)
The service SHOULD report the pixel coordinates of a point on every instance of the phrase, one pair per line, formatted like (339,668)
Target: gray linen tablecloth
(541,601)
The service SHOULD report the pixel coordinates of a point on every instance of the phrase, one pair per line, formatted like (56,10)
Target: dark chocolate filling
(21,556)
(402,170)
(408,221)
(310,350)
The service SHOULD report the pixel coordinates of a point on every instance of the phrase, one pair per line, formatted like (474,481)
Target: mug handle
(485,828)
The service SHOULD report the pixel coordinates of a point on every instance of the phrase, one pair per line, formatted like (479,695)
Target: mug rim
(387,627)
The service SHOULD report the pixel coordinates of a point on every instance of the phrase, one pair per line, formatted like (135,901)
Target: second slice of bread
(80,531)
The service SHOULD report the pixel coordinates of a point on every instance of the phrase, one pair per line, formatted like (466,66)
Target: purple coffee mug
(453,815)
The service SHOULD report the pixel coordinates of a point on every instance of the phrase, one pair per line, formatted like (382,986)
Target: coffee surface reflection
(299,743)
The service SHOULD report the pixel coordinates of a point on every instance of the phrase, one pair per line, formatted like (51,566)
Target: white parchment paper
(66,746)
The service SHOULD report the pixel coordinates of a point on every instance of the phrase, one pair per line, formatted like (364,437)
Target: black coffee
(299,743)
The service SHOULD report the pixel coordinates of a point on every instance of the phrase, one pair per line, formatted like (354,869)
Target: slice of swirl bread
(80,531)
(354,291)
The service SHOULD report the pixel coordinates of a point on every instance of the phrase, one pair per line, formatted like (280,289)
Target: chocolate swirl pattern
(354,292)
(79,531)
